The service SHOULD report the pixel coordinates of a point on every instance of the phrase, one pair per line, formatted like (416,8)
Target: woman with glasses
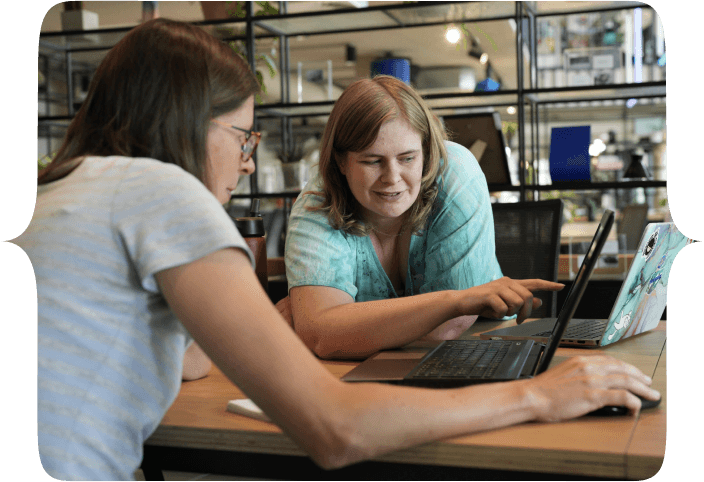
(135,257)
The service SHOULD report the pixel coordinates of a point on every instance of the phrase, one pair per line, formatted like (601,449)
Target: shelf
(542,9)
(453,100)
(385,17)
(595,186)
(106,38)
(374,17)
(559,104)
(503,187)
(592,93)
(63,120)
(565,186)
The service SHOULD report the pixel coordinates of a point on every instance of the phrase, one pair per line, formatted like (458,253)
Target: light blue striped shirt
(456,251)
(110,349)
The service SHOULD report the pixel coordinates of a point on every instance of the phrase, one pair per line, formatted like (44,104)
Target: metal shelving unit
(531,101)
(408,16)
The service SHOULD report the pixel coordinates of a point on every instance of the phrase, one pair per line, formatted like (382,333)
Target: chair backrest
(528,244)
(632,224)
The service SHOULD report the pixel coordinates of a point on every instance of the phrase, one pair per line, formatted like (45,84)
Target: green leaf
(267,9)
(269,63)
(260,79)
(44,161)
(239,10)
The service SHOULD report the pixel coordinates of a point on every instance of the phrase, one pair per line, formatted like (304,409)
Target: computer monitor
(481,134)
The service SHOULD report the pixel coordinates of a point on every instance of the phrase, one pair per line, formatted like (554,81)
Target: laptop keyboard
(474,359)
(586,330)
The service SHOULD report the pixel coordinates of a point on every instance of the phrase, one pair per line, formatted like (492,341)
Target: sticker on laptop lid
(643,297)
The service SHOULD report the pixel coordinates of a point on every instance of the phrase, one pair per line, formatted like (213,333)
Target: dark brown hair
(354,125)
(154,95)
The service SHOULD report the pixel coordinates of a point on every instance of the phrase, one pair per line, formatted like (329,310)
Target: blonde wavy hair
(353,126)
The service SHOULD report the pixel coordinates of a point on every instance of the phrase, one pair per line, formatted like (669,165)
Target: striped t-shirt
(110,349)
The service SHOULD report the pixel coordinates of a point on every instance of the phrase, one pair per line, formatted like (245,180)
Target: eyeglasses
(251,138)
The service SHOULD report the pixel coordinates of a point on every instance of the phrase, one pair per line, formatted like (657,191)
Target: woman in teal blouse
(394,239)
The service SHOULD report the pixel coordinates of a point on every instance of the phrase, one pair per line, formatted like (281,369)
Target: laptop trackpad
(385,365)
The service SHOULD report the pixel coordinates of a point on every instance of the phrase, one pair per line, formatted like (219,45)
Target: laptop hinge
(531,365)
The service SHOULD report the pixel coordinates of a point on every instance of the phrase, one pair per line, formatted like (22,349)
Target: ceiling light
(511,110)
(453,35)
(484,58)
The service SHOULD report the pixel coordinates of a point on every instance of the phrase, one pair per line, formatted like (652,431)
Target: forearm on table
(359,329)
(390,418)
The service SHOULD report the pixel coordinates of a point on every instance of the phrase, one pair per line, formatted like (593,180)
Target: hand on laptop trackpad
(616,410)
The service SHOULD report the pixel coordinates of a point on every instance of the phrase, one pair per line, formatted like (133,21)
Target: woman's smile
(389,196)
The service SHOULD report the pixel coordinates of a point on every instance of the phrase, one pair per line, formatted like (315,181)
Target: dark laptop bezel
(574,296)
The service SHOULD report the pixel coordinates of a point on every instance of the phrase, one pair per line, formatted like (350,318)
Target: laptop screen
(577,289)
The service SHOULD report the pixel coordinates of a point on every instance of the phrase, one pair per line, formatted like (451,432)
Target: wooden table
(198,435)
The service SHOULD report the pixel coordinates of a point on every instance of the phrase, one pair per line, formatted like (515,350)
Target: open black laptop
(456,363)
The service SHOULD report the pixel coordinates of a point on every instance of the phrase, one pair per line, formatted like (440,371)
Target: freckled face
(385,178)
(224,151)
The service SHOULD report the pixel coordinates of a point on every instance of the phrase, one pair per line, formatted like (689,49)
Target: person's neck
(388,229)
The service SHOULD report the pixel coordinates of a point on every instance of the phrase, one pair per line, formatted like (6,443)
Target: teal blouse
(455,252)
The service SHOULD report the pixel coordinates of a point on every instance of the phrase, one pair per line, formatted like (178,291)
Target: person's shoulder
(459,157)
(309,220)
(460,166)
(144,180)
(121,166)
(310,198)
(151,173)
(152,168)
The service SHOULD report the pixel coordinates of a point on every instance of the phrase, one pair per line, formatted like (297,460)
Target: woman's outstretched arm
(221,303)
(332,325)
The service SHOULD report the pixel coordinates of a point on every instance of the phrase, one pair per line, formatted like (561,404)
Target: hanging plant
(293,153)
(219,10)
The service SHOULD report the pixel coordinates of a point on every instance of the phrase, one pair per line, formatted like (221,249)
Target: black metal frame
(524,95)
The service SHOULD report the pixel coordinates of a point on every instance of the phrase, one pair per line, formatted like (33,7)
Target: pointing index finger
(541,285)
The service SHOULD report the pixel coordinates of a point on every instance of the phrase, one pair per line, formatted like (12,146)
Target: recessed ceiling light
(453,35)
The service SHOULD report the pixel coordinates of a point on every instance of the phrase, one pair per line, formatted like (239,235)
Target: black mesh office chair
(528,244)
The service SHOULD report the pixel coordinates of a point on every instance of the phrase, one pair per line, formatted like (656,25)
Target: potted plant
(75,17)
(223,10)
